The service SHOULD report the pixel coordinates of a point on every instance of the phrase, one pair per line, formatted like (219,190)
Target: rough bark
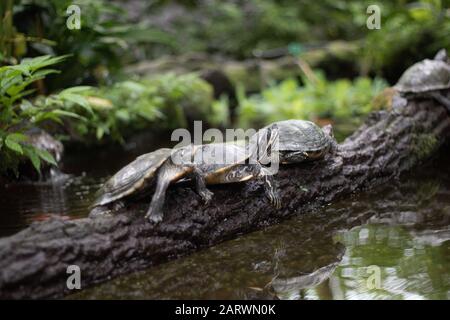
(33,263)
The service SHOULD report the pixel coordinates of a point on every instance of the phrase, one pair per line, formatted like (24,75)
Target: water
(392,242)
(69,196)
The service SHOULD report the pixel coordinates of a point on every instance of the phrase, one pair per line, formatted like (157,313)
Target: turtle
(135,176)
(426,79)
(202,163)
(301,140)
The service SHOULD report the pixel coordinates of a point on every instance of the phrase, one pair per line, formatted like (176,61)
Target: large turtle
(426,79)
(205,164)
(301,140)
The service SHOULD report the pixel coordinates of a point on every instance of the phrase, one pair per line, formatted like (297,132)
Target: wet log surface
(33,263)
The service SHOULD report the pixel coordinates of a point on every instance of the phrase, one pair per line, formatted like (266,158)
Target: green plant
(410,30)
(17,114)
(161,102)
(418,31)
(342,102)
(103,45)
(7,31)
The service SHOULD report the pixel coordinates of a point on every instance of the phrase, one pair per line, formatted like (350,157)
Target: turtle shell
(301,135)
(424,76)
(132,177)
(224,163)
(216,159)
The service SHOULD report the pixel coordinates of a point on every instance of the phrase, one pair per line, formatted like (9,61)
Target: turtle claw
(154,215)
(277,202)
(99,211)
(154,218)
(274,200)
(206,196)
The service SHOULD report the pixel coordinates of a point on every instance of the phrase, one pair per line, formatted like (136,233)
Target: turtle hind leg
(439,97)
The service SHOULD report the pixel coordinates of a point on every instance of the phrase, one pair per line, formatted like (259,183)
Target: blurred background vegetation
(143,65)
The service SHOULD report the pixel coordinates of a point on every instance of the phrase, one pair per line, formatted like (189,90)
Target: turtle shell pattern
(301,135)
(132,177)
(427,75)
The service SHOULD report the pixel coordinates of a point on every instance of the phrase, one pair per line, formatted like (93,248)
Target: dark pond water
(68,195)
(392,242)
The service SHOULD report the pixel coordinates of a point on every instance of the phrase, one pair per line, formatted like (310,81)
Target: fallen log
(33,263)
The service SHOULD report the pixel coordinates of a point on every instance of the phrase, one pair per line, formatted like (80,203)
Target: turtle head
(328,130)
(441,55)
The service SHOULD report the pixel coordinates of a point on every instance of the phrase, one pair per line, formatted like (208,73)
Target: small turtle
(134,177)
(301,140)
(205,164)
(426,78)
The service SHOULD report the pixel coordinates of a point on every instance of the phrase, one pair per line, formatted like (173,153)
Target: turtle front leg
(200,186)
(270,188)
(439,97)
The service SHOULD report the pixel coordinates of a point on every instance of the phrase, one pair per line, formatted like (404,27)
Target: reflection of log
(308,280)
(33,262)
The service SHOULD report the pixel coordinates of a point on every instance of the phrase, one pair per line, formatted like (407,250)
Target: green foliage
(17,114)
(184,97)
(7,30)
(165,101)
(410,30)
(341,101)
(408,33)
(100,48)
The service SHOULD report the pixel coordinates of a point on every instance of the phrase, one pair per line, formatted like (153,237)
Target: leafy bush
(342,102)
(408,33)
(410,30)
(162,102)
(17,114)
(99,49)
(107,113)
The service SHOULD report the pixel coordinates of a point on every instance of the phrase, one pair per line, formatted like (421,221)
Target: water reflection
(410,268)
(401,230)
(298,287)
(23,203)
(67,195)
